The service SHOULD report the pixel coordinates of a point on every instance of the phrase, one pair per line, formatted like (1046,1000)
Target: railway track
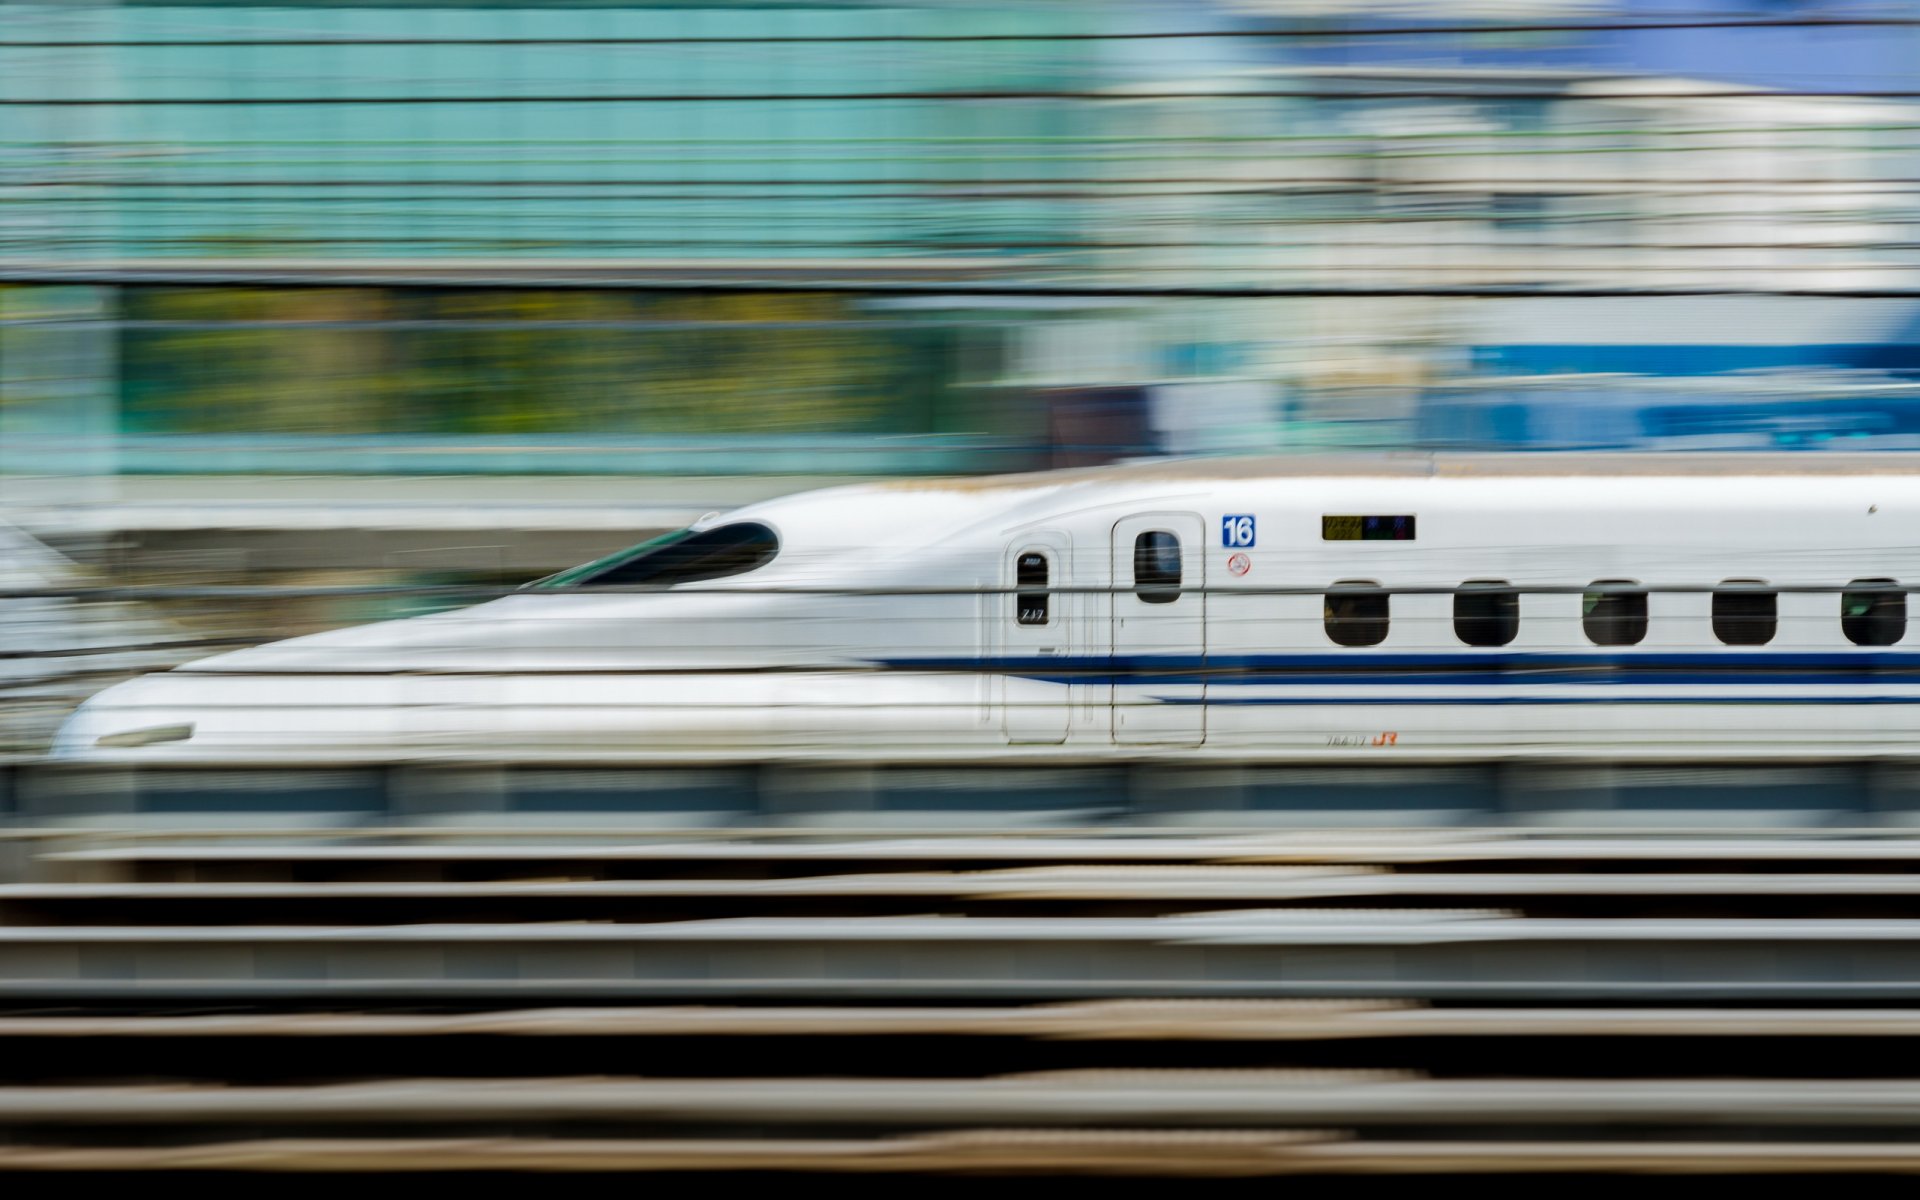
(1469,1002)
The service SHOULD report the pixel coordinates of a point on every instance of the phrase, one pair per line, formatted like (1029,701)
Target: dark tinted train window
(1873,618)
(1156,567)
(1614,618)
(1745,614)
(681,557)
(1356,613)
(1485,618)
(1367,529)
(1030,608)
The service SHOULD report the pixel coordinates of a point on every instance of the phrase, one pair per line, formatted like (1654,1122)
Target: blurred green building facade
(337,236)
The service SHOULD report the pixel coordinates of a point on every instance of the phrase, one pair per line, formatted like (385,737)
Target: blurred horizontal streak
(1250,243)
(1117,1097)
(1570,143)
(961,96)
(1489,267)
(1212,1020)
(1324,148)
(1239,928)
(1186,1153)
(1699,279)
(435,324)
(755,277)
(1317,30)
(1356,181)
(123,648)
(1066,884)
(955,187)
(361,983)
(394,149)
(1316,847)
(1152,1153)
(380,204)
(531,842)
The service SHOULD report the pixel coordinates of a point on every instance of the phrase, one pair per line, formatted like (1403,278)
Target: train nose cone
(76,734)
(127,716)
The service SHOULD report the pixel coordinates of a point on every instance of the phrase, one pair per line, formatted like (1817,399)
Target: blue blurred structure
(1761,43)
(1742,411)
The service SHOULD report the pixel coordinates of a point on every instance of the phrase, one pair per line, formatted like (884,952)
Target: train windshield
(682,556)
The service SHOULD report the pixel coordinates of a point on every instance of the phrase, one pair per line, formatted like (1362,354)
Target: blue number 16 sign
(1236,531)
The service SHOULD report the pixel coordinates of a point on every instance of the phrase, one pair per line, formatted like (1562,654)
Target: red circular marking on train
(1239,564)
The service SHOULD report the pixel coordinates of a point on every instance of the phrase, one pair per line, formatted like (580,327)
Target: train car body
(1289,610)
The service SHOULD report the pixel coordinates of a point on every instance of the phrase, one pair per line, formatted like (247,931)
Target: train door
(1159,629)
(1036,625)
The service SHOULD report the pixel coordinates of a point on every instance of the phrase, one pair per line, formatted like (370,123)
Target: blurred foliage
(386,378)
(290,380)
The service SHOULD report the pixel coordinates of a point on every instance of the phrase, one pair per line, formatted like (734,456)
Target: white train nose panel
(240,718)
(188,715)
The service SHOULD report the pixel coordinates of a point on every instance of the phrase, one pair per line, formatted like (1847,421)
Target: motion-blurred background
(311,313)
(343,293)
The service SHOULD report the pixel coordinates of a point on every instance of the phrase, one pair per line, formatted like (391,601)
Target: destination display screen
(1366,529)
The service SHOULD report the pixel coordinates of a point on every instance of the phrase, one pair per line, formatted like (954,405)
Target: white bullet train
(1396,609)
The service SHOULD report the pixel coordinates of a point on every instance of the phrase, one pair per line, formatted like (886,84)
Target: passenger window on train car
(1873,617)
(1156,567)
(1614,618)
(1483,616)
(1745,613)
(1030,608)
(1355,613)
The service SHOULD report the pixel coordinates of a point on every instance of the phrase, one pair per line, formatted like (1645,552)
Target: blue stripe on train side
(1609,669)
(1482,701)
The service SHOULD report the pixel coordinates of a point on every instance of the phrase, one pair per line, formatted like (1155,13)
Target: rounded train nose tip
(76,734)
(116,719)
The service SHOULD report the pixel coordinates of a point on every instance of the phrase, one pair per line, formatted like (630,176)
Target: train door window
(1355,612)
(1485,613)
(1614,617)
(1872,616)
(1031,571)
(1745,613)
(1156,567)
